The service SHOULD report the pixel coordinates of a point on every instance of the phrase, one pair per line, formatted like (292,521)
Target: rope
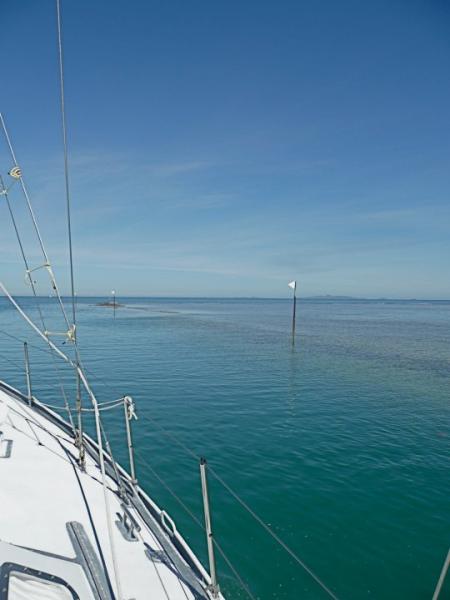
(105,405)
(258,519)
(88,410)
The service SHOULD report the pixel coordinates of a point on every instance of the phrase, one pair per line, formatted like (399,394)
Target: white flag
(293,285)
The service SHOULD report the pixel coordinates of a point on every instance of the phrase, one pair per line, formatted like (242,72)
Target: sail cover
(26,587)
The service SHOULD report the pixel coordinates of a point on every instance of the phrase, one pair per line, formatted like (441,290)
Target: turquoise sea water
(340,443)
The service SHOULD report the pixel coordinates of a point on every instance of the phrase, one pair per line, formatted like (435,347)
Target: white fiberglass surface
(40,477)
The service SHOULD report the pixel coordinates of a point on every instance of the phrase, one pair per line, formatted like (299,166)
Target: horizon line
(336,297)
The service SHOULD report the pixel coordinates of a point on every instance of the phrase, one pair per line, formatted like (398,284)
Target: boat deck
(53,520)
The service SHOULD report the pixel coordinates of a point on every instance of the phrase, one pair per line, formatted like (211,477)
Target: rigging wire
(105,406)
(81,375)
(296,558)
(163,550)
(69,222)
(291,553)
(16,365)
(119,481)
(47,263)
(234,494)
(113,404)
(200,524)
(79,372)
(93,375)
(33,288)
(78,369)
(244,505)
(66,159)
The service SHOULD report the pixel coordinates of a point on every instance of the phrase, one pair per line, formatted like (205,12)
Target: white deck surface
(40,494)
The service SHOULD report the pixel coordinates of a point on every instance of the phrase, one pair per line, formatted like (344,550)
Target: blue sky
(224,148)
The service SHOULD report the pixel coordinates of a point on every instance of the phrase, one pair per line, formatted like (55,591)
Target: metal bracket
(5,190)
(69,335)
(127,525)
(168,523)
(15,172)
(5,446)
(29,271)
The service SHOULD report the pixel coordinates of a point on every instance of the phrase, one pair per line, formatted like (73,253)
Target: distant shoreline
(253,298)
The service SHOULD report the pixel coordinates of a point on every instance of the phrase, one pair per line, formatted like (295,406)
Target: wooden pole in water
(114,302)
(293,314)
(293,285)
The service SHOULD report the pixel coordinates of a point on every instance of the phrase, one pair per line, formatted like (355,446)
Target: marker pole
(293,312)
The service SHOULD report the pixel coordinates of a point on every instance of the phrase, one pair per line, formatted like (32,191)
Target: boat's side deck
(51,506)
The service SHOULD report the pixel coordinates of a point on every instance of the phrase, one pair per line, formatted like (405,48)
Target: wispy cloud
(176,168)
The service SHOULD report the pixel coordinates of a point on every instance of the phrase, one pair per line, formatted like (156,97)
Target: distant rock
(110,304)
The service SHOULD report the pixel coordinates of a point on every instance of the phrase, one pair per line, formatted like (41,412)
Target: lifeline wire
(199,523)
(258,519)
(279,541)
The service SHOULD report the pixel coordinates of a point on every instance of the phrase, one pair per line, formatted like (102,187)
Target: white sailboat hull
(53,525)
